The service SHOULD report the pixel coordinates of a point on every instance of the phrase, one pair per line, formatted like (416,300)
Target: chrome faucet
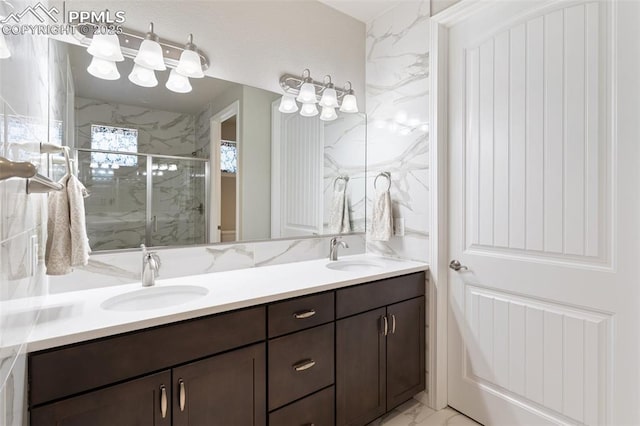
(333,247)
(150,267)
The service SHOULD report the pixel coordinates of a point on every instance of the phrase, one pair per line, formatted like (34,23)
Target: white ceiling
(362,10)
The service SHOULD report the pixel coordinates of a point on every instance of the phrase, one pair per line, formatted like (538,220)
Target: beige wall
(228,130)
(228,201)
(440,5)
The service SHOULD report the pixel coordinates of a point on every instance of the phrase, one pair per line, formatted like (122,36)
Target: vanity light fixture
(104,69)
(107,47)
(150,52)
(349,102)
(143,76)
(4,49)
(310,92)
(178,83)
(189,65)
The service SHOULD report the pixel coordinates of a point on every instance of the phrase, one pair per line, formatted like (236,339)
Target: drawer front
(299,364)
(316,409)
(361,298)
(62,372)
(298,314)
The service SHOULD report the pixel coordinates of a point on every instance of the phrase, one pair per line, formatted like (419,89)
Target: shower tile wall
(344,149)
(24,109)
(116,208)
(397,74)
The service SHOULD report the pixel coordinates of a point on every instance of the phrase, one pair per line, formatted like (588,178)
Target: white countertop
(78,316)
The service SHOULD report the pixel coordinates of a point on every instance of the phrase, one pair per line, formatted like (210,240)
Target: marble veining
(397,93)
(415,413)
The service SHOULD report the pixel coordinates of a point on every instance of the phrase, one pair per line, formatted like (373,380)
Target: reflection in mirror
(218,164)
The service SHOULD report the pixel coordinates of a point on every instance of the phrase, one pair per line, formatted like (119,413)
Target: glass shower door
(178,200)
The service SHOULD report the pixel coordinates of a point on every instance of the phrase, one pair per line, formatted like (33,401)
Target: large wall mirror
(218,164)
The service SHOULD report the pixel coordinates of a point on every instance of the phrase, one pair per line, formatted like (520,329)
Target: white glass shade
(307,94)
(106,46)
(103,69)
(328,114)
(309,110)
(288,104)
(178,83)
(142,76)
(349,104)
(329,98)
(190,65)
(150,56)
(4,49)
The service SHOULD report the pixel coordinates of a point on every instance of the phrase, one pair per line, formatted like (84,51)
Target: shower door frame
(149,185)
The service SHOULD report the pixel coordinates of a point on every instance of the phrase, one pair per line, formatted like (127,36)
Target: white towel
(339,222)
(67,242)
(381,223)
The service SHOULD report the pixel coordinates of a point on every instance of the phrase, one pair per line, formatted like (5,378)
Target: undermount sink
(354,265)
(154,298)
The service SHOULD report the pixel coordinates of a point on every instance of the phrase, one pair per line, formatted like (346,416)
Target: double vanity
(309,343)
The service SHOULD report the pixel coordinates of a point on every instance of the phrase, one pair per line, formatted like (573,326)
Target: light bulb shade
(142,76)
(328,114)
(288,104)
(349,104)
(307,94)
(106,46)
(4,49)
(309,110)
(329,98)
(190,65)
(150,56)
(104,69)
(178,83)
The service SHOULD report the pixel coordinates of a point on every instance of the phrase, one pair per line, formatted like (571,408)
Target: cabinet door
(133,403)
(405,351)
(227,389)
(360,368)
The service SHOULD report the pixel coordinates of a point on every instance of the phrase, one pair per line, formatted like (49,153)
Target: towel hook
(386,175)
(339,178)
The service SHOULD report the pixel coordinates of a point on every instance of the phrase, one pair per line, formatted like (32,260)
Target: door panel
(533,162)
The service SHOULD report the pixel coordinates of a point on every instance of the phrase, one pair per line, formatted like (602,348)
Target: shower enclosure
(158,200)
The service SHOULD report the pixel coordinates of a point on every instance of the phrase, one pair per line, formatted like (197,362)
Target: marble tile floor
(414,413)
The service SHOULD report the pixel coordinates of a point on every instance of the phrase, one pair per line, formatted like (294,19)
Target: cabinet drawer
(361,298)
(316,409)
(63,372)
(298,314)
(299,364)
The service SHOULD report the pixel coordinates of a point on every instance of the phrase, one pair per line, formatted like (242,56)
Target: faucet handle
(154,258)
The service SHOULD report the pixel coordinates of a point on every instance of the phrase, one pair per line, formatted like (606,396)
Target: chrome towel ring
(386,175)
(345,179)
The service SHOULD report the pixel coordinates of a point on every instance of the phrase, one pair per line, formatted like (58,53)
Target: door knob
(457,266)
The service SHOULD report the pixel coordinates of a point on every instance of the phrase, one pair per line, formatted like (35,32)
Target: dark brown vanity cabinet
(190,373)
(380,347)
(340,357)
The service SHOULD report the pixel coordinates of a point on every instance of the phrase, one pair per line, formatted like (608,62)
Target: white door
(544,212)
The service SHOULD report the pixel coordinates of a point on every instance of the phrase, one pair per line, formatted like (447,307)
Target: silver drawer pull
(304,314)
(304,365)
(183,394)
(308,424)
(393,324)
(385,326)
(163,401)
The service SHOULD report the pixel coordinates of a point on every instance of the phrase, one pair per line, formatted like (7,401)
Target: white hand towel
(67,242)
(381,223)
(339,222)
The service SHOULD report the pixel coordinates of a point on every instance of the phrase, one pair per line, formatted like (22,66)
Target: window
(110,138)
(228,157)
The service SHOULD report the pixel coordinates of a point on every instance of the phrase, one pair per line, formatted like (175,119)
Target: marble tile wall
(116,268)
(24,111)
(345,155)
(397,97)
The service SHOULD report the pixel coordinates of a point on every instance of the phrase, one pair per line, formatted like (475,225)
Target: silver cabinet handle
(304,365)
(457,266)
(183,394)
(304,314)
(163,401)
(385,325)
(155,224)
(393,324)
